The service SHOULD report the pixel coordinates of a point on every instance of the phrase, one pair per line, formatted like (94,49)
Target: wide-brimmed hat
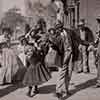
(81,22)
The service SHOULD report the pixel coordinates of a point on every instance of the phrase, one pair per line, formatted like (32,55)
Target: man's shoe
(97,85)
(58,95)
(36,91)
(68,93)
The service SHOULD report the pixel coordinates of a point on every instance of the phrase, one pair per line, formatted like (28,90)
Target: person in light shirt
(86,34)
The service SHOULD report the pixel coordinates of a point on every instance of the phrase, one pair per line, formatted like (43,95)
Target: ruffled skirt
(36,74)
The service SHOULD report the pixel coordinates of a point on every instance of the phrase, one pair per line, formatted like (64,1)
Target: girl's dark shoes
(36,91)
(29,94)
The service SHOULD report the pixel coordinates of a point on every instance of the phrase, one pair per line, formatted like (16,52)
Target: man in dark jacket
(66,49)
(86,35)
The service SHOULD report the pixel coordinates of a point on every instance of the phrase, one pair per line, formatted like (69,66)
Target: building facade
(89,10)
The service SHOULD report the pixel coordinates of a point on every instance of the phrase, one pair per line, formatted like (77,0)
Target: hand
(91,48)
(80,47)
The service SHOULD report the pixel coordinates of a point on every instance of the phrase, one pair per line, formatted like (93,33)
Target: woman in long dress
(37,71)
(9,64)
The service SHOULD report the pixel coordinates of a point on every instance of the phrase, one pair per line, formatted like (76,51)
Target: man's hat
(98,19)
(82,22)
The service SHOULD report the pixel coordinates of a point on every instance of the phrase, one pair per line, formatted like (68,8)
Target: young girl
(37,72)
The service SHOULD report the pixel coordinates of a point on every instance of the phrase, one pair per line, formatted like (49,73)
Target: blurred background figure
(20,48)
(97,45)
(87,35)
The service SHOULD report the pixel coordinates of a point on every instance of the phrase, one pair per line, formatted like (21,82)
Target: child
(37,72)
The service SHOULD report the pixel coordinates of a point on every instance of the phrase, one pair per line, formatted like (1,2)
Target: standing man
(87,35)
(64,48)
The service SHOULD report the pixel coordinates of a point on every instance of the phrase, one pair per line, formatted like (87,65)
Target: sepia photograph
(49,49)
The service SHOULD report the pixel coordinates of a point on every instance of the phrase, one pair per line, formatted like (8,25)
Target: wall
(90,9)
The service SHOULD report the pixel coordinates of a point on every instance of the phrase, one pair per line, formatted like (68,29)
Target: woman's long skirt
(11,69)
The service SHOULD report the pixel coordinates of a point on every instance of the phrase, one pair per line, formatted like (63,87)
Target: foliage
(11,18)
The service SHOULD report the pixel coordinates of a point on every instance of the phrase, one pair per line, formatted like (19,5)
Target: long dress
(37,71)
(9,66)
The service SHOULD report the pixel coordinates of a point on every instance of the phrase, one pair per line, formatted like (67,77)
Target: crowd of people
(30,65)
(33,58)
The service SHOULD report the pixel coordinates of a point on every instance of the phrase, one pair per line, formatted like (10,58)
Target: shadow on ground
(47,89)
(82,86)
(9,89)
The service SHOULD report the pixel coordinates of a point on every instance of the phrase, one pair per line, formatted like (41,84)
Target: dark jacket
(76,40)
(88,34)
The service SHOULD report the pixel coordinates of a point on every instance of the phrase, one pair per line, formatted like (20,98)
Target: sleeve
(67,49)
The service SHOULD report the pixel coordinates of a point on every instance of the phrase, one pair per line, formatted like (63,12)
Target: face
(32,33)
(5,33)
(23,42)
(52,32)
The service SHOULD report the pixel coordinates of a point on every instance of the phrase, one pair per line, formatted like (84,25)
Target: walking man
(65,50)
